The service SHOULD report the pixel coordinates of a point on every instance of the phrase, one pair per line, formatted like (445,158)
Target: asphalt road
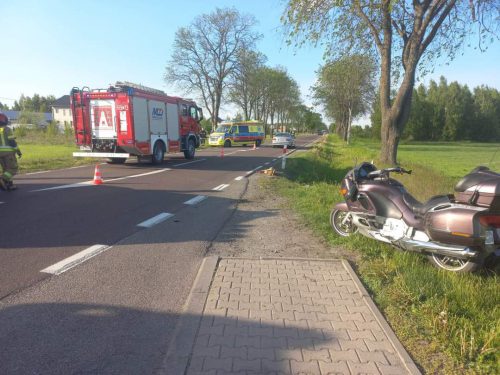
(115,312)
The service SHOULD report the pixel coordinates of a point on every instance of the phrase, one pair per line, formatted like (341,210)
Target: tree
(458,112)
(487,112)
(277,94)
(345,89)
(206,54)
(419,126)
(403,34)
(35,104)
(242,88)
(4,107)
(376,118)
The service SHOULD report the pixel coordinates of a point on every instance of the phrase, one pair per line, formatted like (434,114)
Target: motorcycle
(457,232)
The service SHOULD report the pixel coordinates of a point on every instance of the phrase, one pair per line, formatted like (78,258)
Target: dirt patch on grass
(263,225)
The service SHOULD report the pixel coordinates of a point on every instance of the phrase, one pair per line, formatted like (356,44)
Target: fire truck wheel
(258,142)
(191,149)
(158,153)
(227,143)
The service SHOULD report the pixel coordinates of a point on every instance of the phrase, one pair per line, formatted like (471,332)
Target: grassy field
(449,323)
(43,150)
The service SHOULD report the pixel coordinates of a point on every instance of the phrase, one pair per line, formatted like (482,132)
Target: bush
(69,132)
(52,130)
(21,130)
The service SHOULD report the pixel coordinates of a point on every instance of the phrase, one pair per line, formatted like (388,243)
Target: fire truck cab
(133,120)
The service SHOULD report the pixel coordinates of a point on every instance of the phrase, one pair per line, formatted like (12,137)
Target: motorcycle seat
(419,208)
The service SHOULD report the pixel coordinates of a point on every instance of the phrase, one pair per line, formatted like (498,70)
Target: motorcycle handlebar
(382,172)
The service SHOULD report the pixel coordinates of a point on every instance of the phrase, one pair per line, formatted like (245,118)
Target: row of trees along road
(449,112)
(400,35)
(37,103)
(345,89)
(215,58)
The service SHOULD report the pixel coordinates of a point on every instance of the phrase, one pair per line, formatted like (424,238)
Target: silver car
(282,139)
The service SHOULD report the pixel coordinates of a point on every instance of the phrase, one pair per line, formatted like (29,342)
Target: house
(61,112)
(43,118)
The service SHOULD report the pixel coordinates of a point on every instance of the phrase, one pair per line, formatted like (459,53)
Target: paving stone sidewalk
(285,316)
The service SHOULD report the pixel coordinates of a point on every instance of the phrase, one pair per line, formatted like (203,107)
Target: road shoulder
(280,301)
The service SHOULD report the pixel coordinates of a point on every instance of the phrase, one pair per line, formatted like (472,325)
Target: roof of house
(62,102)
(14,115)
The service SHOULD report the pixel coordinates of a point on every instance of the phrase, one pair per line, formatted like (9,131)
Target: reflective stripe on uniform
(5,137)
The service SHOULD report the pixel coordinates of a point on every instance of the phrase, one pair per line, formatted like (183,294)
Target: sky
(50,46)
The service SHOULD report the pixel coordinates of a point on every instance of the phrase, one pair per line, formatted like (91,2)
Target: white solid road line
(62,169)
(220,187)
(27,174)
(137,175)
(189,162)
(239,178)
(74,260)
(89,183)
(195,200)
(155,220)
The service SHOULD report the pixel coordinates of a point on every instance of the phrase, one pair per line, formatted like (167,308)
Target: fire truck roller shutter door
(172,122)
(157,124)
(141,129)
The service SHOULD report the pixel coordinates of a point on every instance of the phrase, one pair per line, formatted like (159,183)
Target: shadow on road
(64,338)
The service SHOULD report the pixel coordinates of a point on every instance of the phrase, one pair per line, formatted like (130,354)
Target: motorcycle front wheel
(341,223)
(453,264)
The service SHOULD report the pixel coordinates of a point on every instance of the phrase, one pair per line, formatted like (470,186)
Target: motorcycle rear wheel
(453,264)
(340,225)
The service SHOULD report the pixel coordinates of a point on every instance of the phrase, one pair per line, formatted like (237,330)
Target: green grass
(449,323)
(454,159)
(44,150)
(45,157)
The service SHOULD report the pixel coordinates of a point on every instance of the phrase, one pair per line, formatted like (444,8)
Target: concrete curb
(402,353)
(179,351)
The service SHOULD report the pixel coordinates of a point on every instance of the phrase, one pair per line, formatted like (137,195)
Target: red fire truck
(133,120)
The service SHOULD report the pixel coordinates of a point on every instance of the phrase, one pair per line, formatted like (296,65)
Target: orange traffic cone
(255,145)
(285,149)
(222,152)
(97,175)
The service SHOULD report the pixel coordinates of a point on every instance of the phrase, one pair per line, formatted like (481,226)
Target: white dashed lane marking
(195,200)
(189,162)
(239,178)
(220,187)
(155,220)
(74,260)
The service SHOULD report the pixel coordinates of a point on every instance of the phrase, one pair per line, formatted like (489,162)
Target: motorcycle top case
(481,188)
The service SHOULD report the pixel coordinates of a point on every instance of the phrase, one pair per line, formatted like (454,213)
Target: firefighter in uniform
(8,151)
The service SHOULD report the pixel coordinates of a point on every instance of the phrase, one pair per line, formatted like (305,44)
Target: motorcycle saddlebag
(481,187)
(455,225)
